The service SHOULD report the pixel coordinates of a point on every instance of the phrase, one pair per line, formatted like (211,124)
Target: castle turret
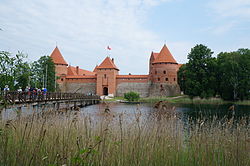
(152,59)
(106,77)
(164,67)
(60,63)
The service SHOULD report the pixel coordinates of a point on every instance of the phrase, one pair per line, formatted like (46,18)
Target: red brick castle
(105,78)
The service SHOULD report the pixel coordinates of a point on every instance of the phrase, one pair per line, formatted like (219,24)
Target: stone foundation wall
(158,89)
(61,87)
(141,88)
(81,88)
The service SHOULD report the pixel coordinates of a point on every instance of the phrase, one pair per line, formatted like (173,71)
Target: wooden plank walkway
(32,97)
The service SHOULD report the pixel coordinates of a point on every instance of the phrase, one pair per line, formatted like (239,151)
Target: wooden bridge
(14,98)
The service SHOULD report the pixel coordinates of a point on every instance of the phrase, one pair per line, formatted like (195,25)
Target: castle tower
(106,77)
(60,68)
(60,63)
(163,67)
(152,59)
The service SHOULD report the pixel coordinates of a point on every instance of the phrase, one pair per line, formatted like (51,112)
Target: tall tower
(60,68)
(164,67)
(60,63)
(106,77)
(152,59)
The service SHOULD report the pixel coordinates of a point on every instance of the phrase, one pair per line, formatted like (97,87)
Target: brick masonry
(141,88)
(158,89)
(85,88)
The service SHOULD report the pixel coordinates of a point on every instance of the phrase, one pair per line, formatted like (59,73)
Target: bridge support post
(75,105)
(58,106)
(54,106)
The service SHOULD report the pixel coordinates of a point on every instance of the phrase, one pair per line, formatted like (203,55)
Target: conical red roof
(154,54)
(107,64)
(57,57)
(165,56)
(95,70)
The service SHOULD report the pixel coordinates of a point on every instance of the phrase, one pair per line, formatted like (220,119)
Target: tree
(43,73)
(6,69)
(22,71)
(199,77)
(181,77)
(234,81)
(14,70)
(132,96)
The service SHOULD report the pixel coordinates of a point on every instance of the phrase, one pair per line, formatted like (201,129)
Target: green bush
(132,96)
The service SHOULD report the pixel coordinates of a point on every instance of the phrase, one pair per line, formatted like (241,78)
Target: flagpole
(108,51)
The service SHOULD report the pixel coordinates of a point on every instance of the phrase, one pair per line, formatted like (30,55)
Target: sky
(82,29)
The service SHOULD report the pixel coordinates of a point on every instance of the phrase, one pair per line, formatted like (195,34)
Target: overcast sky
(82,29)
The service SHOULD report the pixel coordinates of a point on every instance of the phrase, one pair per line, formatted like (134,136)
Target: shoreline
(179,100)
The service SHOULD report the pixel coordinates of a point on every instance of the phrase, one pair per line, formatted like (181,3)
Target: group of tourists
(28,90)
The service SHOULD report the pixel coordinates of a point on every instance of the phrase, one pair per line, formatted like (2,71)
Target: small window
(159,79)
(174,79)
(166,79)
(164,72)
(155,72)
(61,79)
(105,75)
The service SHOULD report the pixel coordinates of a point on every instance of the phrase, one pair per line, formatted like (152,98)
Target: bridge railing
(23,97)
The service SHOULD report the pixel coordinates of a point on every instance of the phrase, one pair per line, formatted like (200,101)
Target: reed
(71,138)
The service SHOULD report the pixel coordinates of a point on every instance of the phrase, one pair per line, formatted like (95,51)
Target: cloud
(82,29)
(228,14)
(231,8)
(222,28)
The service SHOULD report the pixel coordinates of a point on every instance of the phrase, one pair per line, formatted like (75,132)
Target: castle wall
(82,84)
(79,87)
(140,87)
(159,89)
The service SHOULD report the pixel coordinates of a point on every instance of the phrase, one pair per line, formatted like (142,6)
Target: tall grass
(186,100)
(114,139)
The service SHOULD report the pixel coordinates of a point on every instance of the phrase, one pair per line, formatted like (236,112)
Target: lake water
(184,112)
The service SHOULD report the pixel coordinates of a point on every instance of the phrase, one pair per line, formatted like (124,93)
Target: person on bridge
(44,93)
(6,89)
(19,90)
(39,93)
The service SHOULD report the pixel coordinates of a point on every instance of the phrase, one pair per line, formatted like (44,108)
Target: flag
(109,48)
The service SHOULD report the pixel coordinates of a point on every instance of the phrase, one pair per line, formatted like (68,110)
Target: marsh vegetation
(119,138)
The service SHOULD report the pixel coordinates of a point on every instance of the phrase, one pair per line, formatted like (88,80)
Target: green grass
(186,100)
(55,139)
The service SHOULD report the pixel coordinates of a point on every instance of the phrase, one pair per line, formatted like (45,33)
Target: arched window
(164,72)
(174,79)
(159,79)
(105,75)
(155,72)
(166,79)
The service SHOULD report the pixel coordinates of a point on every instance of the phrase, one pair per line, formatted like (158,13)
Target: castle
(105,78)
